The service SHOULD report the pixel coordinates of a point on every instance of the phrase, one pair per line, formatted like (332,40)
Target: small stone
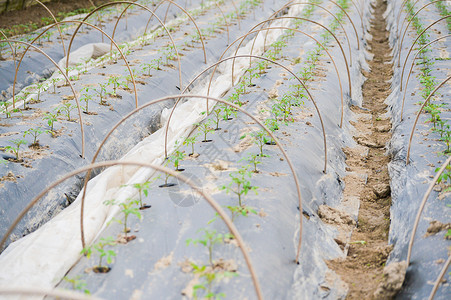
(381,190)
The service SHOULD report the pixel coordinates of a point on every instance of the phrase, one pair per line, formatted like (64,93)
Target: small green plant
(176,157)
(86,98)
(65,109)
(143,188)
(228,112)
(446,137)
(51,119)
(5,109)
(100,248)
(253,159)
(148,67)
(114,81)
(54,81)
(260,138)
(167,176)
(39,86)
(217,114)
(205,128)
(190,141)
(238,210)
(240,184)
(77,284)
(128,207)
(16,148)
(101,91)
(209,276)
(209,239)
(35,132)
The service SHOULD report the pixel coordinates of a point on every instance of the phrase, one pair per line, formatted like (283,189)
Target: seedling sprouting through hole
(253,159)
(228,112)
(210,276)
(205,128)
(143,188)
(16,148)
(217,114)
(101,91)
(86,98)
(190,141)
(35,132)
(167,176)
(213,272)
(240,184)
(77,284)
(114,81)
(260,138)
(51,119)
(175,158)
(66,109)
(128,207)
(100,248)
(209,239)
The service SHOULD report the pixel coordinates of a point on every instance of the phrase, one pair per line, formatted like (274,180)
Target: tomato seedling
(100,248)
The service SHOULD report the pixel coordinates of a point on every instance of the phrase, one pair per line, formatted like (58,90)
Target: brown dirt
(368,179)
(35,13)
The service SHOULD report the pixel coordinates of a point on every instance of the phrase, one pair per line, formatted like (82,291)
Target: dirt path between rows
(368,179)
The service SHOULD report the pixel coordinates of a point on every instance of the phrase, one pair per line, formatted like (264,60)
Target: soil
(368,182)
(102,269)
(35,13)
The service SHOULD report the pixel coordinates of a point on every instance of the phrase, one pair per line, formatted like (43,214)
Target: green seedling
(167,176)
(77,284)
(272,124)
(251,75)
(35,132)
(101,91)
(86,98)
(143,188)
(175,158)
(241,211)
(228,112)
(39,86)
(5,109)
(209,276)
(100,248)
(253,159)
(128,207)
(16,148)
(149,67)
(261,66)
(54,82)
(190,141)
(235,97)
(114,81)
(209,239)
(445,177)
(446,137)
(205,128)
(51,119)
(240,184)
(217,114)
(260,138)
(65,109)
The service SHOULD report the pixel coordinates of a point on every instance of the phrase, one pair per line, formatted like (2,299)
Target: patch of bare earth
(367,182)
